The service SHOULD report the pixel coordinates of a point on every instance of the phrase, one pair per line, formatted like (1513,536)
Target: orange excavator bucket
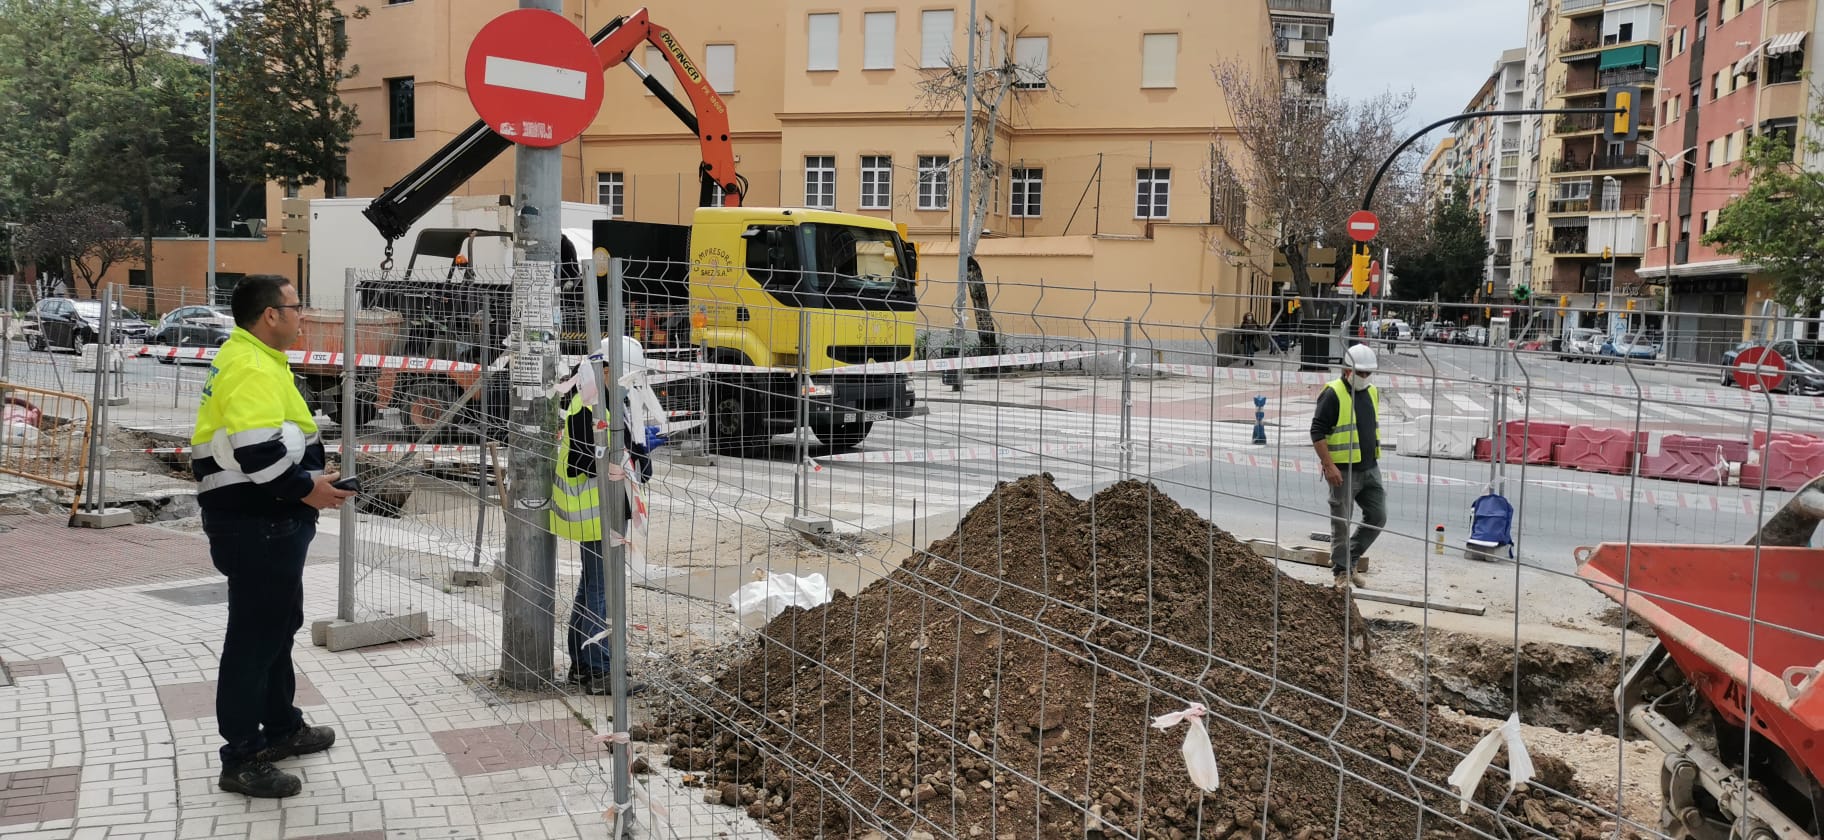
(1714,606)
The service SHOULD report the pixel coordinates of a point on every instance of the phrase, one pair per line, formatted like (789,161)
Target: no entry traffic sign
(534,77)
(1760,369)
(1363,225)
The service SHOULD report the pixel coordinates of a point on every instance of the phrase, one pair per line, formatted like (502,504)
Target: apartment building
(1733,69)
(1437,176)
(1489,166)
(1301,39)
(1538,61)
(1588,251)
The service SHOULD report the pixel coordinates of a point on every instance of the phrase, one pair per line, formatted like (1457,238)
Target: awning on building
(1745,66)
(1625,57)
(1785,43)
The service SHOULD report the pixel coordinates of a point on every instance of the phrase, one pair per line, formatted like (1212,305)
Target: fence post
(98,514)
(801,520)
(1127,397)
(6,333)
(611,503)
(351,518)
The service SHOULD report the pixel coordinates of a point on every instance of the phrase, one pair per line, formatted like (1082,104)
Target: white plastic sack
(1468,775)
(763,600)
(1199,756)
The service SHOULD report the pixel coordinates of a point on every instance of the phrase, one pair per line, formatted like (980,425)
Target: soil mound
(1001,684)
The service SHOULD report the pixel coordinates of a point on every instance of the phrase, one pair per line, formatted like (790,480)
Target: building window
(660,69)
(878,31)
(719,67)
(823,46)
(401,112)
(291,190)
(1028,190)
(937,30)
(876,182)
(1033,55)
(1159,60)
(137,277)
(1624,33)
(1152,193)
(1785,130)
(1785,67)
(820,182)
(611,192)
(933,182)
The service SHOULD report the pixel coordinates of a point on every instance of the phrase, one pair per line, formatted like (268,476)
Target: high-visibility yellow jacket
(256,448)
(575,494)
(1345,441)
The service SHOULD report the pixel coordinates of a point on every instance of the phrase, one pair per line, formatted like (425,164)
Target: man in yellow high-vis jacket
(1346,432)
(259,464)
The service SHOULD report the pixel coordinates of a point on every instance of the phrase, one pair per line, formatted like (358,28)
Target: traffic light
(1358,267)
(1631,303)
(1623,123)
(1608,253)
(1522,292)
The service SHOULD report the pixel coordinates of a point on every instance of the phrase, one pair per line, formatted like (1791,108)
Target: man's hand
(325,495)
(1333,475)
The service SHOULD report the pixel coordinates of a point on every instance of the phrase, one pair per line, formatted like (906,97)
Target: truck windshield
(860,268)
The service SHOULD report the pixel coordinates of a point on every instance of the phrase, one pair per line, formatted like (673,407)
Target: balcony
(1608,162)
(1577,123)
(1300,47)
(1503,260)
(1577,44)
(1578,244)
(1627,76)
(1310,7)
(1568,205)
(1572,7)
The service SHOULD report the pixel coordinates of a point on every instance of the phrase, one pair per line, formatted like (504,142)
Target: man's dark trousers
(263,558)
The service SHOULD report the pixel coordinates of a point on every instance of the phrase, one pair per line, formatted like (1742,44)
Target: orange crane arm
(708,114)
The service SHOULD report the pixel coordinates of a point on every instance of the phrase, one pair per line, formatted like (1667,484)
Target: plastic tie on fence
(1199,756)
(1469,772)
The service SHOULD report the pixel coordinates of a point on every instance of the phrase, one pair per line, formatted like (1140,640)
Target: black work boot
(259,779)
(307,740)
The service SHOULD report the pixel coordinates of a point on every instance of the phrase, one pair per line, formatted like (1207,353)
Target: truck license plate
(848,417)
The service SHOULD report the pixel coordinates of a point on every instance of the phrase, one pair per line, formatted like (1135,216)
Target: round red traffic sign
(1760,369)
(534,77)
(1363,225)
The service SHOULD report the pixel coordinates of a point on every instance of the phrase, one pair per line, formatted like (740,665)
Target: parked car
(63,322)
(193,326)
(1804,363)
(1581,345)
(1472,336)
(1632,346)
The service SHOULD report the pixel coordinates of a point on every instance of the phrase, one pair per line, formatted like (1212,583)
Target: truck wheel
(732,425)
(843,436)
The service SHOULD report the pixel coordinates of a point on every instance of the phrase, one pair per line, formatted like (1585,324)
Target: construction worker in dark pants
(1346,432)
(576,516)
(259,464)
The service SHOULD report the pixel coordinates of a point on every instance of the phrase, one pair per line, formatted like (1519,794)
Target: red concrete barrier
(1485,449)
(1703,460)
(1761,437)
(1533,442)
(1786,464)
(1598,450)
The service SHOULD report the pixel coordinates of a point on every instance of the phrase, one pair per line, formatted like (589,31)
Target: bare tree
(84,241)
(1305,165)
(945,89)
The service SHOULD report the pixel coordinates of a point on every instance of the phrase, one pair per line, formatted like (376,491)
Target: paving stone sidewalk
(107,728)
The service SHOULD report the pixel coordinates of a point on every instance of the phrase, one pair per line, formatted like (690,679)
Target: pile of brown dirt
(1001,684)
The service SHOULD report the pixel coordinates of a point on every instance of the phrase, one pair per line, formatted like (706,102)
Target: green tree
(84,240)
(47,48)
(1451,265)
(280,116)
(1778,224)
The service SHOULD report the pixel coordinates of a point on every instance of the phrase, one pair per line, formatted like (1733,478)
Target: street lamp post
(1665,306)
(209,292)
(1609,183)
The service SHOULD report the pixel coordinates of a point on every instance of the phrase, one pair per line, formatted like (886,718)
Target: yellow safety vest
(1344,441)
(576,512)
(252,425)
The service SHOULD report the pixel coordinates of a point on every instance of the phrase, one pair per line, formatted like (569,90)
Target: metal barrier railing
(45,437)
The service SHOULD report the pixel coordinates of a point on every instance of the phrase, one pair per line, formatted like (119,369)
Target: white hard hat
(633,356)
(1361,358)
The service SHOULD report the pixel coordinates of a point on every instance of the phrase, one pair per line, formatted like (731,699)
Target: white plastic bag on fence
(1469,772)
(1199,756)
(763,600)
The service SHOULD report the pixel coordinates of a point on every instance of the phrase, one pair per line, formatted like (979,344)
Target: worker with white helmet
(1346,432)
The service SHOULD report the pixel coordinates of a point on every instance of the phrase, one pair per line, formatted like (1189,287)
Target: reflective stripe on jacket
(1345,441)
(255,448)
(576,512)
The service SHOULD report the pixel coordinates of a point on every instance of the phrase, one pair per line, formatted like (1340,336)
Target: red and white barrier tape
(323,358)
(381,448)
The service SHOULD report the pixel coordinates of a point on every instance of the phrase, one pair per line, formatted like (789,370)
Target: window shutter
(822,55)
(1033,57)
(938,30)
(1159,61)
(719,60)
(877,52)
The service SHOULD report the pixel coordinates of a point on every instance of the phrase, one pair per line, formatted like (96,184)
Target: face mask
(1358,382)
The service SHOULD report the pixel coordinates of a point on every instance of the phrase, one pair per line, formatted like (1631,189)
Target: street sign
(1363,225)
(1374,277)
(1759,369)
(534,77)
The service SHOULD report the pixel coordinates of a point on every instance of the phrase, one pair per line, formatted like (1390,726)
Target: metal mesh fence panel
(869,594)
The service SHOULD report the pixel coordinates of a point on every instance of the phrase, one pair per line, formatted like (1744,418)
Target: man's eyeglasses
(285,306)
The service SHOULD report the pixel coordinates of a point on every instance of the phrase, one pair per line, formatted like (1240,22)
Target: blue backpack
(1491,521)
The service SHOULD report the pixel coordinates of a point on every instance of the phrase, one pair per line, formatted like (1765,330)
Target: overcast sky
(1443,50)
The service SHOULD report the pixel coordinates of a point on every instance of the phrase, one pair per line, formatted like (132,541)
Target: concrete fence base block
(105,518)
(337,635)
(470,576)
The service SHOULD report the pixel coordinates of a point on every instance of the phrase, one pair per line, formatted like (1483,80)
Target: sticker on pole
(1760,369)
(1363,226)
(534,77)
